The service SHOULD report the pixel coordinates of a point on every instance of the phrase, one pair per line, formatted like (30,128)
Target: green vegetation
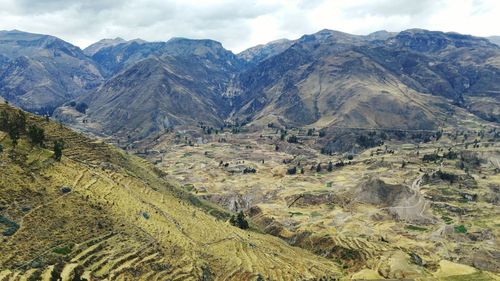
(315,214)
(460,229)
(14,123)
(293,139)
(447,220)
(12,226)
(239,221)
(64,250)
(58,148)
(36,135)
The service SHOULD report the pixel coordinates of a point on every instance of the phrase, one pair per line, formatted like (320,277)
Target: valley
(388,211)
(329,157)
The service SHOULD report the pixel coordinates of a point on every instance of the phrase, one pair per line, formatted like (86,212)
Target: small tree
(36,135)
(318,168)
(242,222)
(330,166)
(58,148)
(293,139)
(239,221)
(292,170)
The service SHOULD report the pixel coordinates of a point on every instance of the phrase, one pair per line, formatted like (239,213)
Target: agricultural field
(396,210)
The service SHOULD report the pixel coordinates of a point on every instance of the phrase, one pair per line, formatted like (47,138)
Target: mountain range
(412,79)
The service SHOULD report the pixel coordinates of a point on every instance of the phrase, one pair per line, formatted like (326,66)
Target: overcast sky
(239,24)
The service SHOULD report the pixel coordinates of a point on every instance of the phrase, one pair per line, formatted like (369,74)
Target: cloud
(239,24)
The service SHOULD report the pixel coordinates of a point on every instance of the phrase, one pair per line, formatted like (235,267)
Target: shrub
(291,171)
(460,229)
(36,135)
(430,157)
(249,170)
(239,221)
(446,176)
(66,249)
(12,226)
(293,139)
(58,148)
(330,166)
(318,168)
(65,189)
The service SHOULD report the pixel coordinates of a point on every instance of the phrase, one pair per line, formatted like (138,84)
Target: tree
(4,121)
(292,170)
(293,139)
(15,125)
(58,148)
(330,166)
(239,221)
(322,133)
(14,135)
(318,168)
(36,135)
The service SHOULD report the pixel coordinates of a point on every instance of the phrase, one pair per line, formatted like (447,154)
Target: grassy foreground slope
(102,214)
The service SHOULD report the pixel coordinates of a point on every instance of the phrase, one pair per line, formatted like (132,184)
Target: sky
(240,24)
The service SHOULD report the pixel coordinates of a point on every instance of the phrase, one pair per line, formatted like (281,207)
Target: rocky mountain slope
(100,213)
(162,85)
(409,80)
(40,72)
(333,79)
(495,39)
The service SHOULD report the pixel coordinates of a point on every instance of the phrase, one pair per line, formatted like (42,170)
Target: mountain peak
(422,40)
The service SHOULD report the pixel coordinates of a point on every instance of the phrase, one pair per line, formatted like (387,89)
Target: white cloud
(239,24)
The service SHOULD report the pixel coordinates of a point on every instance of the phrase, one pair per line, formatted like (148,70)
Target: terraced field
(101,214)
(385,211)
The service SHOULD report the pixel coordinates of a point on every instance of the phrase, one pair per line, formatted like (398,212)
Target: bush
(58,148)
(318,168)
(330,166)
(446,176)
(36,135)
(65,189)
(291,171)
(239,221)
(249,170)
(430,157)
(460,229)
(12,226)
(293,139)
(63,250)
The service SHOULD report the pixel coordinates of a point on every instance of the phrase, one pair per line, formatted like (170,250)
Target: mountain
(495,39)
(158,86)
(104,43)
(336,79)
(262,52)
(40,72)
(100,213)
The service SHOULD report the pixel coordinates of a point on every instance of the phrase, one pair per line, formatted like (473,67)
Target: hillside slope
(336,79)
(40,72)
(100,213)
